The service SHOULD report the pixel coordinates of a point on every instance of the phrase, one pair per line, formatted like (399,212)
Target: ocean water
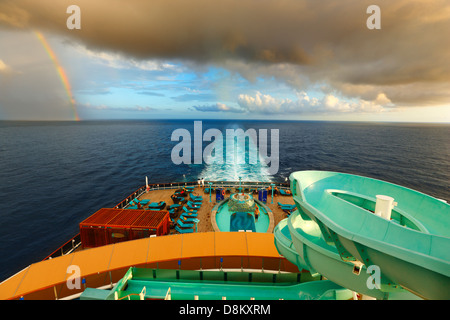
(53,175)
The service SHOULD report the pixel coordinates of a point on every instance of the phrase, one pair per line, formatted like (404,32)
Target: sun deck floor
(204,213)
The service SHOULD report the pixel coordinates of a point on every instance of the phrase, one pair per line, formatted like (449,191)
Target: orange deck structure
(103,266)
(108,226)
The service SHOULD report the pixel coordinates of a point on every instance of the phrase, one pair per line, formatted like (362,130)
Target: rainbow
(60,71)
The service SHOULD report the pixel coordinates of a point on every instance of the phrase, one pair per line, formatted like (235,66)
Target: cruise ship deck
(204,212)
(203,249)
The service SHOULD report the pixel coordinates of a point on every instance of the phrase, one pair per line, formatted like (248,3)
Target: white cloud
(265,103)
(109,108)
(217,107)
(118,61)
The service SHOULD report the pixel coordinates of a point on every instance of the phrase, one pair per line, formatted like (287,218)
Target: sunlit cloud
(218,107)
(267,104)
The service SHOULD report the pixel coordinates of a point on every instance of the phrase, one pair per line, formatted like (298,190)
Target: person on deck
(256,213)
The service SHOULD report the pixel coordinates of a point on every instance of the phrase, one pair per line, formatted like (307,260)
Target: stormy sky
(285,59)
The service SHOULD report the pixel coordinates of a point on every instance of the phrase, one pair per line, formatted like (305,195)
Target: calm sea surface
(53,175)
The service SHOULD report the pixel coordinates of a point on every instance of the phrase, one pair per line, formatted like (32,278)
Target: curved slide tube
(300,242)
(411,249)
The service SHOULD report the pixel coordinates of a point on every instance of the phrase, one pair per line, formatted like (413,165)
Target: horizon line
(231,119)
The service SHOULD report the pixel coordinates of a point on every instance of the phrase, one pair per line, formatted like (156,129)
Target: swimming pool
(228,220)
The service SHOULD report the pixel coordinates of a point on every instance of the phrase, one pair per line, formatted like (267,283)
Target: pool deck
(204,213)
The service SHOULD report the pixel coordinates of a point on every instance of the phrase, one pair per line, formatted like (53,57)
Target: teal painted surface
(94,294)
(211,286)
(181,290)
(412,250)
(309,251)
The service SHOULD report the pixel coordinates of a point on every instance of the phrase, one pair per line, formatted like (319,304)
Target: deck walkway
(204,213)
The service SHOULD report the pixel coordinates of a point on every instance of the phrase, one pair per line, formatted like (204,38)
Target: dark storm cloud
(292,40)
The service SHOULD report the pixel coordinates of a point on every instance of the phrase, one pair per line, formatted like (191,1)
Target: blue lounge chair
(281,205)
(195,198)
(285,193)
(188,219)
(186,210)
(185,225)
(177,228)
(194,203)
(143,202)
(136,201)
(193,206)
(157,205)
(286,205)
(189,215)
(132,207)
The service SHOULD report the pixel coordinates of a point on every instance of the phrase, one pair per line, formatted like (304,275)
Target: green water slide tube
(307,249)
(142,283)
(337,212)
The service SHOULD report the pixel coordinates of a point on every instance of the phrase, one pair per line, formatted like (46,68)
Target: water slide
(342,231)
(143,283)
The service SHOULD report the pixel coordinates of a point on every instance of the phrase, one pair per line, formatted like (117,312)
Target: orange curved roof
(49,273)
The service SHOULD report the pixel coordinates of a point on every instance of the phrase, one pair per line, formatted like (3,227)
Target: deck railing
(214,184)
(66,248)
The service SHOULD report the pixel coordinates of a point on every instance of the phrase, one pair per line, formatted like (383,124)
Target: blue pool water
(241,221)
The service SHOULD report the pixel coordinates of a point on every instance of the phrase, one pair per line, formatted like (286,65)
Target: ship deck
(163,192)
(204,249)
(204,213)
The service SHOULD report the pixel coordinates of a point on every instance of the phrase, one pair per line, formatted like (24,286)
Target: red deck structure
(108,226)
